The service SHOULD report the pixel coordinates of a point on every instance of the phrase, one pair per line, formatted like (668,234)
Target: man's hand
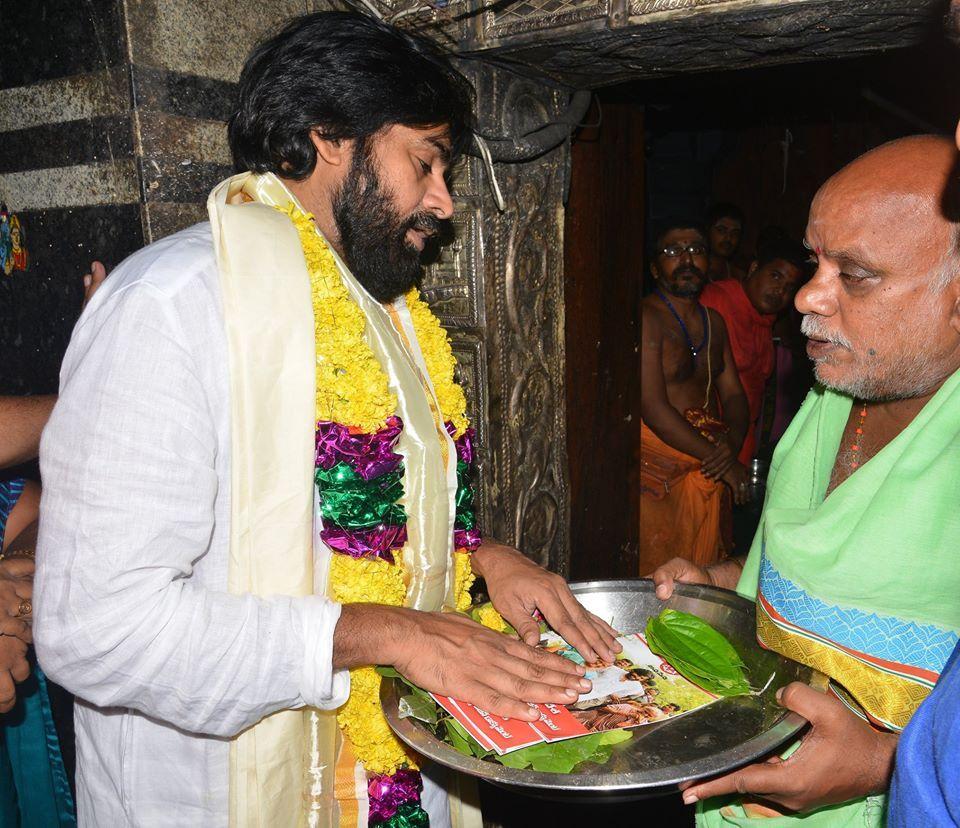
(517,587)
(16,587)
(716,464)
(680,570)
(14,667)
(93,280)
(738,479)
(448,654)
(453,656)
(841,758)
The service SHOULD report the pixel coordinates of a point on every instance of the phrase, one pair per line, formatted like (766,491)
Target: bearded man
(257,473)
(854,565)
(688,377)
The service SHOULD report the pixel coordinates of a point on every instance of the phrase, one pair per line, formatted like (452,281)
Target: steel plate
(715,739)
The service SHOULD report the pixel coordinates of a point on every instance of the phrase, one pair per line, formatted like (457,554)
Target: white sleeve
(130,482)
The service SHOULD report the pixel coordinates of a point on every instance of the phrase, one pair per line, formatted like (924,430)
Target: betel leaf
(689,643)
(458,738)
(676,621)
(696,642)
(698,652)
(563,757)
(418,706)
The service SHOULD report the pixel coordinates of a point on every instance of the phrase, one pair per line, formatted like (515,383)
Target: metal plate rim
(421,741)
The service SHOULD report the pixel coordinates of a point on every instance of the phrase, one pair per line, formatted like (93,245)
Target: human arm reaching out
(22,418)
(725,574)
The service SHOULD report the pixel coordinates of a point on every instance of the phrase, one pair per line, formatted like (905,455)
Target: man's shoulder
(170,264)
(724,291)
(725,299)
(651,311)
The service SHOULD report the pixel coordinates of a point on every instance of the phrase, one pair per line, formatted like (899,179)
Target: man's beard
(910,373)
(674,287)
(373,235)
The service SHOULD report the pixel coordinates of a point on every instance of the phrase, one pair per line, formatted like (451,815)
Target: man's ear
(954,289)
(654,270)
(753,268)
(334,152)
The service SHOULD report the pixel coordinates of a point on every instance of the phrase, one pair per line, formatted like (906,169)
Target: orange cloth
(751,341)
(680,509)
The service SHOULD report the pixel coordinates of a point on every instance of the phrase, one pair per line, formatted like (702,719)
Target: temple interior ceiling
(594,43)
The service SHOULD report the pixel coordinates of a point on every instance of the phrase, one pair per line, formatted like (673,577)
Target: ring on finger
(25,608)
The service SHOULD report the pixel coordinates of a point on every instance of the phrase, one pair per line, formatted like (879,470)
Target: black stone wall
(45,160)
(112,133)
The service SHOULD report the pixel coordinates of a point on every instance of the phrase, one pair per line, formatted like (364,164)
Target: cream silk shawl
(281,769)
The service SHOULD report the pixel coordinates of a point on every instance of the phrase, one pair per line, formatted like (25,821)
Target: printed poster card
(637,689)
(557,723)
(492,731)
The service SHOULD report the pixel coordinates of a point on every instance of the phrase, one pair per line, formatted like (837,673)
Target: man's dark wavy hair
(346,76)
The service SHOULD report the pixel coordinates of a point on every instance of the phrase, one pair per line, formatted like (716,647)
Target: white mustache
(815,328)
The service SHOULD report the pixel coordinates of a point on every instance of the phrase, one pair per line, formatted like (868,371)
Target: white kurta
(132,609)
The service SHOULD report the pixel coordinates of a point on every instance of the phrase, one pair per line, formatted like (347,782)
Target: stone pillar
(499,291)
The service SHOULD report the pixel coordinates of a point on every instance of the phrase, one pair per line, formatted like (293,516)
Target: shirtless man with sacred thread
(688,376)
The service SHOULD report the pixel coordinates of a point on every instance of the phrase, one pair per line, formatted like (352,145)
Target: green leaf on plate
(563,757)
(698,652)
(418,706)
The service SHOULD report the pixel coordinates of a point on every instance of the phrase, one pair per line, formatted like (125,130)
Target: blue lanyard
(686,333)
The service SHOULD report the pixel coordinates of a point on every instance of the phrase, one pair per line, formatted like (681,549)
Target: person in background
(23,418)
(688,451)
(926,777)
(35,786)
(724,228)
(749,309)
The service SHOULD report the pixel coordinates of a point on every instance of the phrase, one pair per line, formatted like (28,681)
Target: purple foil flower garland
(371,456)
(394,801)
(388,793)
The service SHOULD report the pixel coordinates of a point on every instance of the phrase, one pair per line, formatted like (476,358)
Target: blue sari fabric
(34,789)
(926,779)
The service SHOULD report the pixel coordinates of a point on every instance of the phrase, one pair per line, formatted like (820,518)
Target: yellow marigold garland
(353,389)
(490,618)
(463,580)
(438,356)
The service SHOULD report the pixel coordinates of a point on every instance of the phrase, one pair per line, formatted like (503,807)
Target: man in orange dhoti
(688,453)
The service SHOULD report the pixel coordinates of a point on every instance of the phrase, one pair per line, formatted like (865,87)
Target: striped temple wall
(111,134)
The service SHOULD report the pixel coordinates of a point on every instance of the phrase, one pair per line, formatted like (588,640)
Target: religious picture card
(637,689)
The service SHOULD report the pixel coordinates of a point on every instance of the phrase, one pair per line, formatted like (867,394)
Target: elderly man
(257,474)
(688,377)
(854,565)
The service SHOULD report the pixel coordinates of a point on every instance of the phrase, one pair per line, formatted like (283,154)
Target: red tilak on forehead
(817,249)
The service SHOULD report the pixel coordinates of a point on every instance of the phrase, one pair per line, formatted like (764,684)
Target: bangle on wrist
(19,555)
